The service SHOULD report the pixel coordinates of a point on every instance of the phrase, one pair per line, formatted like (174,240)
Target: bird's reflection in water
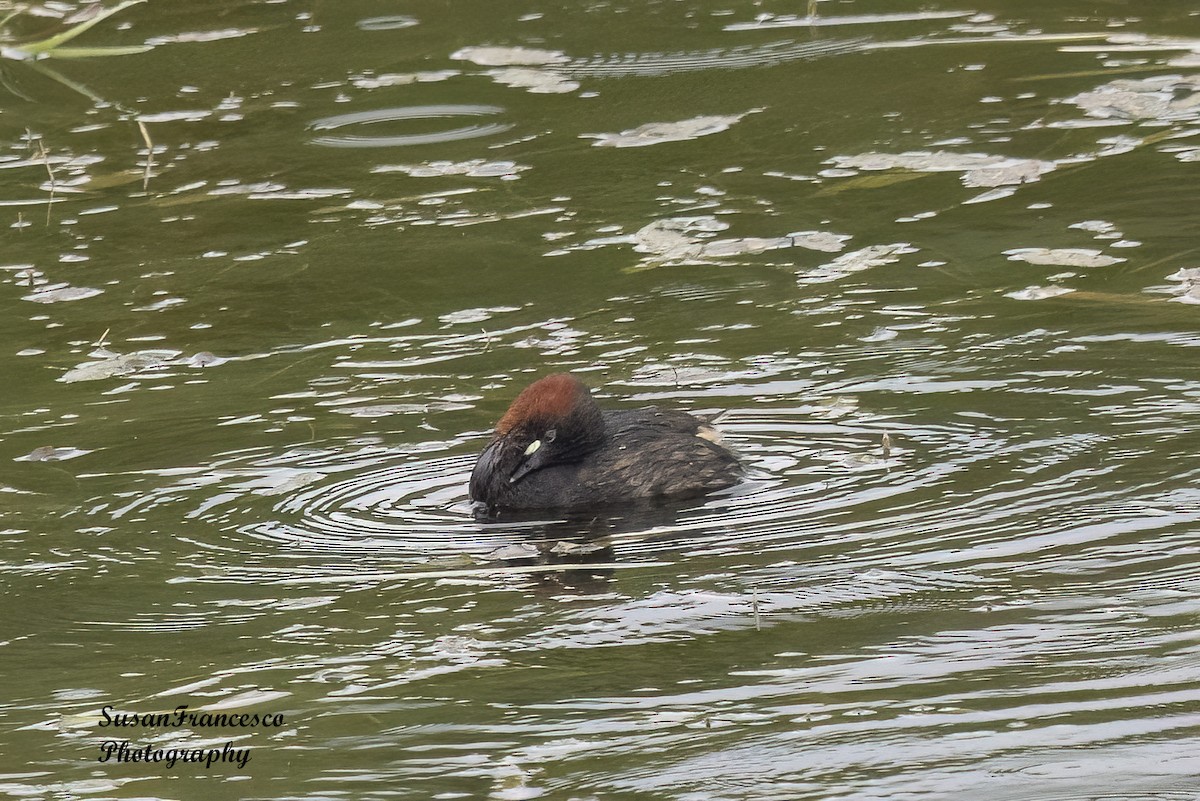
(579,550)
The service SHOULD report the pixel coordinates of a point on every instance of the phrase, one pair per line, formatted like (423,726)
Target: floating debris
(514,551)
(205,359)
(539,82)
(509,56)
(475,315)
(1188,289)
(46,453)
(475,168)
(1098,227)
(1038,292)
(1062,257)
(978,169)
(919,161)
(1186,274)
(820,240)
(109,364)
(566,548)
(281,481)
(519,67)
(863,461)
(402,78)
(688,240)
(1010,172)
(119,364)
(1190,294)
(835,407)
(159,305)
(722,248)
(61,293)
(880,334)
(1166,98)
(656,133)
(856,261)
(670,238)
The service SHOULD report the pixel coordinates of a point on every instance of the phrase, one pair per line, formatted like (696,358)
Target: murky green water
(244,388)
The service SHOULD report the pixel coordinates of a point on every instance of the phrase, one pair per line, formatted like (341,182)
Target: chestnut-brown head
(553,421)
(548,400)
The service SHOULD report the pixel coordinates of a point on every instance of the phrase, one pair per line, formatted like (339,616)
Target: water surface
(251,353)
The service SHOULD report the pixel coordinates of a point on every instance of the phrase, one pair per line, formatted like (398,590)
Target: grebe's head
(553,421)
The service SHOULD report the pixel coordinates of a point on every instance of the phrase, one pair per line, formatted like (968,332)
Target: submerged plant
(54,46)
(32,52)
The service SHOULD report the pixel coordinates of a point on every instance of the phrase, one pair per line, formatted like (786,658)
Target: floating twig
(49,171)
(149,153)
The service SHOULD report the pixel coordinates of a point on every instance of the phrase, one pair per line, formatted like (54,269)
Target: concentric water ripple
(387,23)
(377,116)
(743,57)
(325,513)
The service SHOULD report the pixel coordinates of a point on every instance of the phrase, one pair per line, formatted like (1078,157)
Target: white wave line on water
(813,21)
(268,575)
(959,40)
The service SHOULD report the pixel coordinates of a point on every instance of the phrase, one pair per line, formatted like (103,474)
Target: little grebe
(555,448)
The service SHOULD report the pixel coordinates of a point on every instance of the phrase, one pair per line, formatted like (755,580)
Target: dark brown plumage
(555,448)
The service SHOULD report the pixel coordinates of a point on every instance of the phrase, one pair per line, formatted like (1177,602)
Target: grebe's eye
(549,436)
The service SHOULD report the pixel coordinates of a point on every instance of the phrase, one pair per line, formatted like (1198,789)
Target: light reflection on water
(242,403)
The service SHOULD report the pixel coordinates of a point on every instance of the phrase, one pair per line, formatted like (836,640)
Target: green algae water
(268,284)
